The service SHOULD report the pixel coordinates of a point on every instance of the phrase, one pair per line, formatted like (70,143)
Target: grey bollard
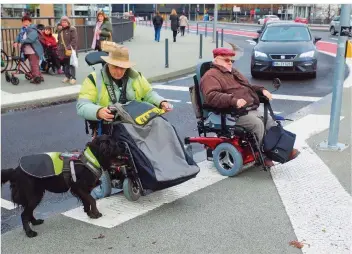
(197,28)
(222,37)
(200,46)
(166,53)
(217,39)
(188,28)
(206,29)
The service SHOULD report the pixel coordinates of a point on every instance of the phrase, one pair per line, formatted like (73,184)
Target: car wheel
(332,30)
(313,75)
(255,75)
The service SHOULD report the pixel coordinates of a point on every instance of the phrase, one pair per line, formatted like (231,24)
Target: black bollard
(217,39)
(222,37)
(200,46)
(166,53)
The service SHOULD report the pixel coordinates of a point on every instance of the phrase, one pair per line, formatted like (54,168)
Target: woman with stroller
(50,48)
(67,40)
(102,31)
(28,41)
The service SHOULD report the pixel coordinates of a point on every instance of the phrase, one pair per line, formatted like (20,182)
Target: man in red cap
(224,87)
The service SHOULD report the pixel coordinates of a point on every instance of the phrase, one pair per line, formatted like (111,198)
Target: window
(286,33)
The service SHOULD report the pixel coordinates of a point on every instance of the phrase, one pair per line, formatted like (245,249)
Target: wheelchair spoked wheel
(227,159)
(104,189)
(131,190)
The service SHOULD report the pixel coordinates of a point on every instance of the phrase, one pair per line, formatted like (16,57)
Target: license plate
(283,64)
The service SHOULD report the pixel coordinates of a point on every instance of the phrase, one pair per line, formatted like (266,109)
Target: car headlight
(307,54)
(259,54)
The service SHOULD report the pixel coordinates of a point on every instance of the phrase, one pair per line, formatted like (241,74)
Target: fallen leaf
(324,230)
(297,244)
(110,248)
(154,242)
(99,237)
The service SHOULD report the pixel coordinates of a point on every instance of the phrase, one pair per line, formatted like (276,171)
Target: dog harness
(55,163)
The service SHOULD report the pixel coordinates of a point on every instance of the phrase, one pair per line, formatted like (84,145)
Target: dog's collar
(91,162)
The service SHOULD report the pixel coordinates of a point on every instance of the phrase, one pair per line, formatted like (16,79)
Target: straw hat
(118,55)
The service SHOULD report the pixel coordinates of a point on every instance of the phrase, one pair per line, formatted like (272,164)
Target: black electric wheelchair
(233,148)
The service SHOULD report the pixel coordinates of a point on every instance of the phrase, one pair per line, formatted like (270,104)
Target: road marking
(7,204)
(251,42)
(335,39)
(173,88)
(173,100)
(295,97)
(318,206)
(117,209)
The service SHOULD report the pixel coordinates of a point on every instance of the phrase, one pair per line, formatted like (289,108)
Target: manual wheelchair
(233,148)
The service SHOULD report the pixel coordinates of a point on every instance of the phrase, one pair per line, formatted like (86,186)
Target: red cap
(223,52)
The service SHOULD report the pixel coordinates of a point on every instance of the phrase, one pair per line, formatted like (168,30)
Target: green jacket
(106,30)
(93,97)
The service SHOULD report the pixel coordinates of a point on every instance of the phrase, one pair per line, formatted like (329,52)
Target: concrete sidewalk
(148,54)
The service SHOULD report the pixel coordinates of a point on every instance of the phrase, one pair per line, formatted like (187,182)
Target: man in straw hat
(116,82)
(224,87)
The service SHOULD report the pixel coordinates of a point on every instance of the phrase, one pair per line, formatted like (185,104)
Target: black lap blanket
(158,152)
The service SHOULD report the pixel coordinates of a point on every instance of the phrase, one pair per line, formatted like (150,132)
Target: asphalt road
(58,128)
(325,35)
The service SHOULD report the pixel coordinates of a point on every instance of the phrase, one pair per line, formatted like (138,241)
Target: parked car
(335,26)
(285,48)
(301,20)
(266,18)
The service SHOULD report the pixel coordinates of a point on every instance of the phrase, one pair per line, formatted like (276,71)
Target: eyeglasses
(228,60)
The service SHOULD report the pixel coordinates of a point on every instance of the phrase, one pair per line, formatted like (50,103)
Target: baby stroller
(50,62)
(146,162)
(20,68)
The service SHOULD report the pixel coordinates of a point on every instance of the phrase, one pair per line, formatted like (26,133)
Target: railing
(122,30)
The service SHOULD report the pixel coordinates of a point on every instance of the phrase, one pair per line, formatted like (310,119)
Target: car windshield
(286,33)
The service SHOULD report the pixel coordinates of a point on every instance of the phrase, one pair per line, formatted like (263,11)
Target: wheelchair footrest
(209,154)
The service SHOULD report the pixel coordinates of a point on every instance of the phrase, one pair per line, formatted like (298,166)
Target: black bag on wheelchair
(278,142)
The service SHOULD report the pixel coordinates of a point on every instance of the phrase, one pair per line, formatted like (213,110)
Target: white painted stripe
(173,88)
(318,206)
(172,100)
(117,209)
(7,204)
(335,39)
(295,97)
(275,96)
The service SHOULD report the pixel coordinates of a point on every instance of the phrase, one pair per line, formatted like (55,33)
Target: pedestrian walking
(102,31)
(175,23)
(158,24)
(183,23)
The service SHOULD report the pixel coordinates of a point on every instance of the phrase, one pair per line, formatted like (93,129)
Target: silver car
(335,26)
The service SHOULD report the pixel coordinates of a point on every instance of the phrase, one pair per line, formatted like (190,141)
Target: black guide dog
(27,191)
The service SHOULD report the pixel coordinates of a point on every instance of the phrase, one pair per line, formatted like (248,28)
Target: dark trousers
(174,34)
(69,70)
(157,30)
(182,30)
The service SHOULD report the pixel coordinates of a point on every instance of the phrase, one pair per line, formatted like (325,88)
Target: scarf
(22,32)
(96,35)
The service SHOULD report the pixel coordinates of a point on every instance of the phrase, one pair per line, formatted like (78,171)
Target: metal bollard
(188,28)
(200,46)
(85,37)
(165,25)
(222,37)
(217,39)
(197,28)
(166,53)
(206,29)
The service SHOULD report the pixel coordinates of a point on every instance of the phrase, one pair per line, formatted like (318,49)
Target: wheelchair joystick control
(113,110)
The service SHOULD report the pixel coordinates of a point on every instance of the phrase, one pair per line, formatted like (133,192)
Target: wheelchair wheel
(131,192)
(104,189)
(227,160)
(7,76)
(15,81)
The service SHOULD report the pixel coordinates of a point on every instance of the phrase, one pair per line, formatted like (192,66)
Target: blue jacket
(32,39)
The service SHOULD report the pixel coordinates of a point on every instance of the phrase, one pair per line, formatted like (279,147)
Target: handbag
(68,52)
(278,142)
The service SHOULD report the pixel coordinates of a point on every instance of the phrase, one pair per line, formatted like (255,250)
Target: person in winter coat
(183,24)
(175,23)
(67,40)
(50,46)
(158,24)
(102,32)
(28,41)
